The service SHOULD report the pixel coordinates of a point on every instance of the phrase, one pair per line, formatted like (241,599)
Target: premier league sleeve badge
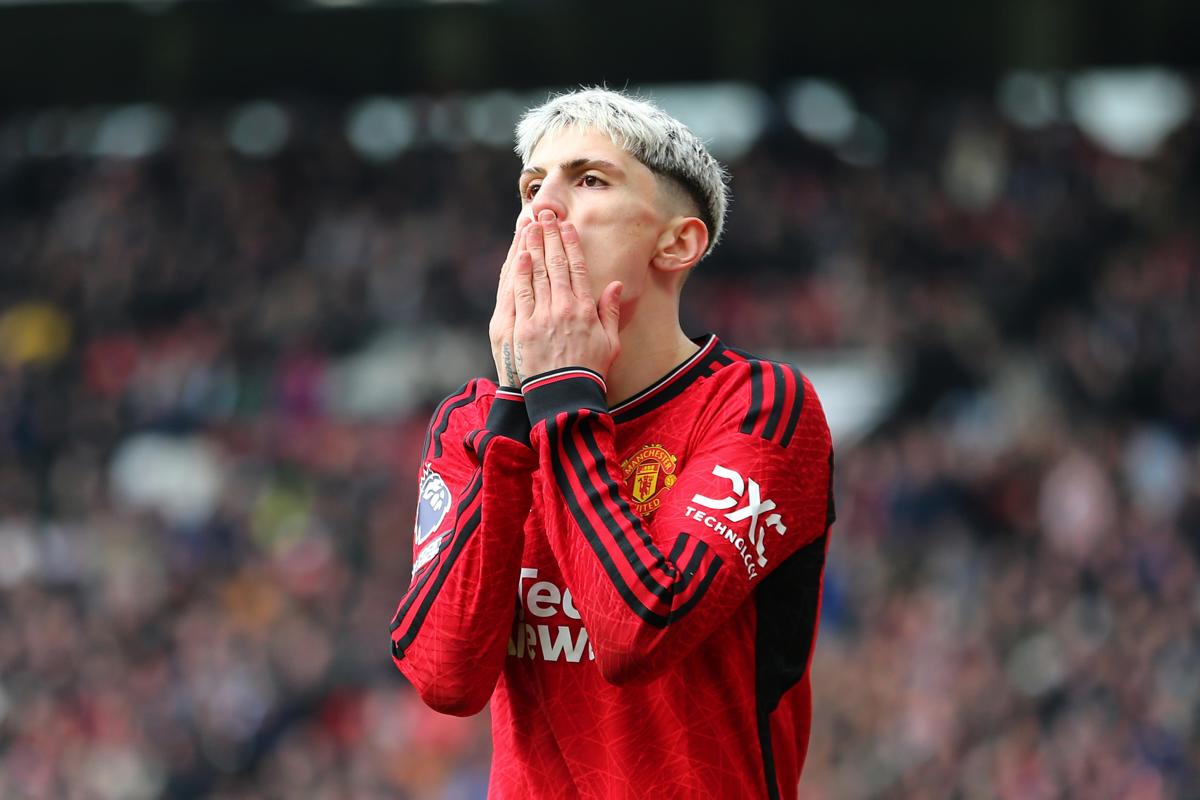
(432,504)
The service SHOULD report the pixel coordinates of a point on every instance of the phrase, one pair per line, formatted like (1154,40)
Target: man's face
(609,196)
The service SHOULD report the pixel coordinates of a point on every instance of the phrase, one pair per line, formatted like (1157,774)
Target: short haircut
(662,143)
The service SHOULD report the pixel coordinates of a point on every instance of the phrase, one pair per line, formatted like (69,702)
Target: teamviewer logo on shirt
(536,634)
(432,505)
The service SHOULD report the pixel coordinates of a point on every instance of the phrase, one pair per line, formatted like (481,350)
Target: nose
(550,195)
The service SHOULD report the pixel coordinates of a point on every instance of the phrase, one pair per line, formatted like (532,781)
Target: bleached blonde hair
(664,144)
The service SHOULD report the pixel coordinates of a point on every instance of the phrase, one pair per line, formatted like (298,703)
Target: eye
(593,181)
(531,189)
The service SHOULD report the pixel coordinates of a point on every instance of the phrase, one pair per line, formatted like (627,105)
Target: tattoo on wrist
(510,374)
(520,373)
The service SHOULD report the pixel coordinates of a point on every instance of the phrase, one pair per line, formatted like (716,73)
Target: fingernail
(568,231)
(546,215)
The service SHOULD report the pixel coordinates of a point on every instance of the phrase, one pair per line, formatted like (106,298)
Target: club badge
(432,504)
(648,474)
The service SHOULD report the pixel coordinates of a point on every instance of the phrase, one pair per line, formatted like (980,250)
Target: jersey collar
(671,385)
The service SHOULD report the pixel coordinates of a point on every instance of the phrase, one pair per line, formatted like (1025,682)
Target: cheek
(615,256)
(619,241)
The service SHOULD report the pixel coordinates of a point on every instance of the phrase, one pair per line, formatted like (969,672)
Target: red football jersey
(635,589)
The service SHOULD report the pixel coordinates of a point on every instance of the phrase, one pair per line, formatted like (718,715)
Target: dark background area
(76,52)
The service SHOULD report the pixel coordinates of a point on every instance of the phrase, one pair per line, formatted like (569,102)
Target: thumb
(609,308)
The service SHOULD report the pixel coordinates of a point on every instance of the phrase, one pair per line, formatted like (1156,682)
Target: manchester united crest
(648,474)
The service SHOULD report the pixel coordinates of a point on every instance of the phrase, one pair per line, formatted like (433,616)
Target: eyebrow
(575,165)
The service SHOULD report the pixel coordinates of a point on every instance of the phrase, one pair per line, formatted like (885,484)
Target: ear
(681,245)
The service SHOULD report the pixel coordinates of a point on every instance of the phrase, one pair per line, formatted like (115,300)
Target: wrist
(506,367)
(568,389)
(508,416)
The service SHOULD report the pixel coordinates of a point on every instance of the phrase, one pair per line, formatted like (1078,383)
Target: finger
(540,278)
(522,285)
(505,310)
(518,242)
(518,239)
(556,257)
(504,285)
(609,310)
(580,282)
(504,293)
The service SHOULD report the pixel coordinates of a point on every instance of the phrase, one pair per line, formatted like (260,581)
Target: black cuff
(508,417)
(568,389)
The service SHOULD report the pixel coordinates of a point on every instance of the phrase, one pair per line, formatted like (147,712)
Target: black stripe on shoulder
(777,403)
(797,407)
(440,420)
(773,406)
(756,397)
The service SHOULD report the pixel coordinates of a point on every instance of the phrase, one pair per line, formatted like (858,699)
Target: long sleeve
(754,490)
(450,632)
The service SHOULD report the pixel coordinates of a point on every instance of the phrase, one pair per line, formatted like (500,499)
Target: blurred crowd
(216,371)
